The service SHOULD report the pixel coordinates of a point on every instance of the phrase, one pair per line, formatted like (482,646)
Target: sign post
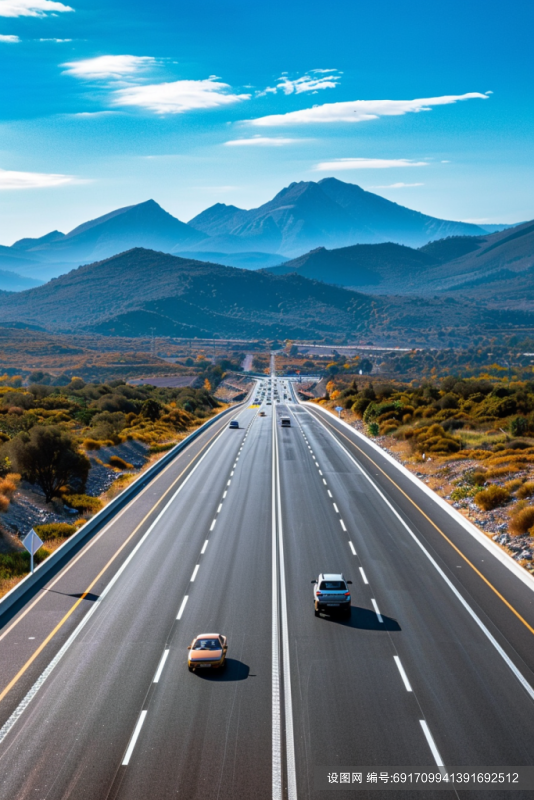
(32,543)
(339,409)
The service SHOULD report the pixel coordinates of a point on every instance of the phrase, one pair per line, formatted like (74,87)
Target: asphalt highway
(434,667)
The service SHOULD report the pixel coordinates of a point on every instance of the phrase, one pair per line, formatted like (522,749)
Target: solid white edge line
(403,675)
(157,676)
(288,706)
(377,612)
(275,678)
(482,539)
(364,576)
(194,575)
(508,661)
(213,524)
(133,740)
(182,607)
(431,743)
(204,547)
(61,652)
(352,548)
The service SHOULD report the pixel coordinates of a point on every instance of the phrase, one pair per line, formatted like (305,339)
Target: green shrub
(15,565)
(83,502)
(55,530)
(373,429)
(120,463)
(519,426)
(492,497)
(462,492)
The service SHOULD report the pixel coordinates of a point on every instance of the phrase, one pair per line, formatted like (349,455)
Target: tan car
(207,651)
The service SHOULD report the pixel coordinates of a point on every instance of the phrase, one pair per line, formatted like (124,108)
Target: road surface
(435,665)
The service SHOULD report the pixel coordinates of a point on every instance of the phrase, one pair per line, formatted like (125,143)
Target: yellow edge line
(60,624)
(486,581)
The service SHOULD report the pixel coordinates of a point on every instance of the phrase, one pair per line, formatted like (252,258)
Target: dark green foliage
(48,457)
(151,409)
(519,426)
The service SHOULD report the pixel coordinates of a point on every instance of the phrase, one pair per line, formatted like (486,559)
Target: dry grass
(6,584)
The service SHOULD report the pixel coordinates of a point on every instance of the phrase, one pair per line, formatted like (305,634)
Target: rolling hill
(140,290)
(329,213)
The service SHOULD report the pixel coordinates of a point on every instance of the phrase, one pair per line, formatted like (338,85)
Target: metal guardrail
(27,583)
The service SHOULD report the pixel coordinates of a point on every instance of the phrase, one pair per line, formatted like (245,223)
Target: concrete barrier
(103,516)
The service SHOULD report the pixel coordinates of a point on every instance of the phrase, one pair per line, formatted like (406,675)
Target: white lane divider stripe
(213,524)
(431,743)
(225,493)
(204,548)
(403,675)
(325,483)
(229,482)
(194,575)
(157,676)
(133,740)
(364,576)
(320,473)
(182,607)
(329,493)
(336,509)
(377,612)
(343,525)
(219,509)
(232,474)
(352,548)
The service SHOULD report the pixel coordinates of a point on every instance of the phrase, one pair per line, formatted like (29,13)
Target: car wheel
(190,669)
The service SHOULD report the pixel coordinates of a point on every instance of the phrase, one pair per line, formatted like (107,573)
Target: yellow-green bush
(83,503)
(492,497)
(526,490)
(119,463)
(522,521)
(55,530)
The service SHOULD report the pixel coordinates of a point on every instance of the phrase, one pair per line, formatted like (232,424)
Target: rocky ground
(28,508)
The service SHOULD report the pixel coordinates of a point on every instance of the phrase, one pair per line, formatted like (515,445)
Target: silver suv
(331,594)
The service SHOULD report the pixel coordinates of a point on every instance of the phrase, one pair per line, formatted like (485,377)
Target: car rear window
(207,644)
(332,586)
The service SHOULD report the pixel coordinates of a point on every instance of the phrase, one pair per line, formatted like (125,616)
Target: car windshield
(333,586)
(207,644)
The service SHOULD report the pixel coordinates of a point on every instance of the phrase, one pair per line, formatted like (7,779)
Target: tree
(48,457)
(366,366)
(151,410)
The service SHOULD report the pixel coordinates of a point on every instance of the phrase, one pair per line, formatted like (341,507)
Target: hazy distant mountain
(497,269)
(242,260)
(330,214)
(12,282)
(141,291)
(142,225)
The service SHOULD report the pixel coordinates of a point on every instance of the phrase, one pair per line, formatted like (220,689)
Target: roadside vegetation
(52,440)
(470,439)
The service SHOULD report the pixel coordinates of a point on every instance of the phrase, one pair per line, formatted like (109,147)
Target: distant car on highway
(285,422)
(331,593)
(207,650)
(263,414)
(233,424)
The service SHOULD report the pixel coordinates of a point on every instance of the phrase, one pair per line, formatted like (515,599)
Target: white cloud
(360,110)
(10,179)
(31,8)
(178,96)
(4,37)
(106,67)
(310,82)
(367,163)
(396,186)
(261,141)
(55,40)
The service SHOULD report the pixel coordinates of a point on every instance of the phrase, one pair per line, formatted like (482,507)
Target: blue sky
(106,104)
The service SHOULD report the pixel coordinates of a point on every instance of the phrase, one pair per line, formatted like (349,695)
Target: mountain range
(496,269)
(141,291)
(303,216)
